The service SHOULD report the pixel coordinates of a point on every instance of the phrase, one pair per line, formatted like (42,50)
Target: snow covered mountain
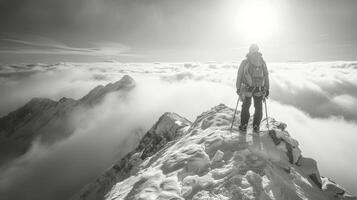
(177,159)
(48,120)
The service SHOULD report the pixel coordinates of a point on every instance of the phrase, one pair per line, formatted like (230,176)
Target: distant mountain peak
(177,159)
(96,94)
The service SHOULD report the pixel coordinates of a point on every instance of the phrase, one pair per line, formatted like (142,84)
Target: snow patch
(204,160)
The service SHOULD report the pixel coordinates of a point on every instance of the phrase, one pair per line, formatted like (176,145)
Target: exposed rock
(168,128)
(335,191)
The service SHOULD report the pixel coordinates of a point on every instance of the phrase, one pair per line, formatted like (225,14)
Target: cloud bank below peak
(321,89)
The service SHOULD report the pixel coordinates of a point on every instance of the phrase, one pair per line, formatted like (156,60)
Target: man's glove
(266,93)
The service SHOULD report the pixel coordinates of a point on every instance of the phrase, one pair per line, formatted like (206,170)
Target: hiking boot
(256,129)
(243,128)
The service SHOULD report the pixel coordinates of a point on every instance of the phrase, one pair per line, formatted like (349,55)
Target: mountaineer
(252,82)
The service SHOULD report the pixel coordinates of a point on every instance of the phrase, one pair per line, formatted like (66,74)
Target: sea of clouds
(317,100)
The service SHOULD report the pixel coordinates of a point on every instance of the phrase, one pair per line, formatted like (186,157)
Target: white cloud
(345,101)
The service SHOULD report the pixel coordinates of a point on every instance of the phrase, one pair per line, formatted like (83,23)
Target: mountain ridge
(204,160)
(48,120)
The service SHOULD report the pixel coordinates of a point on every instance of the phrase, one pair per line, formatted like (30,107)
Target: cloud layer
(321,89)
(316,100)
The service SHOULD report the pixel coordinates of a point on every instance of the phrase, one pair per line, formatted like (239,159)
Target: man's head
(253,48)
(254,56)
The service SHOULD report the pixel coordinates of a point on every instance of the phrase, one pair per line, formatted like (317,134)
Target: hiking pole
(266,112)
(234,116)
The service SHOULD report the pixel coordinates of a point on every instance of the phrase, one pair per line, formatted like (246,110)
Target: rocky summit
(177,159)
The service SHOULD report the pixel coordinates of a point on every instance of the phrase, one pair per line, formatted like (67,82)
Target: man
(252,82)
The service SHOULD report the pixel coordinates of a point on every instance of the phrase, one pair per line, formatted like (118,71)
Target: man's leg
(244,115)
(258,112)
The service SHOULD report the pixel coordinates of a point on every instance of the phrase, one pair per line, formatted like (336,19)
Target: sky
(176,31)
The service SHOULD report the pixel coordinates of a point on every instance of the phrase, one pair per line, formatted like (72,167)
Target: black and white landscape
(131,99)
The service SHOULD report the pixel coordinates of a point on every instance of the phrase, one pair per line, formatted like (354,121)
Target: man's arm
(240,75)
(266,76)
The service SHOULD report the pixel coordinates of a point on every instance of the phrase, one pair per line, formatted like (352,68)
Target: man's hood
(255,58)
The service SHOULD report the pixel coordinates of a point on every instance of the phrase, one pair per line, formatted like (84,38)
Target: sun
(257,20)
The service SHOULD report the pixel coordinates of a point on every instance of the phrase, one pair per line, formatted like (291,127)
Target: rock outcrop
(204,160)
(167,129)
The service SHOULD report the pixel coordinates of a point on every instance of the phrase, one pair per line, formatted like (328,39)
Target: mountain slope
(48,120)
(204,160)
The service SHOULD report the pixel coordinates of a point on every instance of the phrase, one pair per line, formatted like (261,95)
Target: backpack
(254,72)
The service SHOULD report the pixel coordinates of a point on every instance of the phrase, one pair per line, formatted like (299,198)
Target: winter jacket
(256,59)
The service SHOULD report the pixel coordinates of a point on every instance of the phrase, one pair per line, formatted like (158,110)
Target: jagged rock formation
(169,127)
(48,120)
(204,160)
(98,93)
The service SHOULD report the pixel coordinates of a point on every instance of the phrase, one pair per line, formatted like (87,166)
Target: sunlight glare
(257,21)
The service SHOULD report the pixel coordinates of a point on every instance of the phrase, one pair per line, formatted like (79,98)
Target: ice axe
(235,111)
(266,112)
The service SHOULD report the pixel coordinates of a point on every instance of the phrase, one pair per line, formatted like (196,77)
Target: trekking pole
(266,112)
(235,112)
